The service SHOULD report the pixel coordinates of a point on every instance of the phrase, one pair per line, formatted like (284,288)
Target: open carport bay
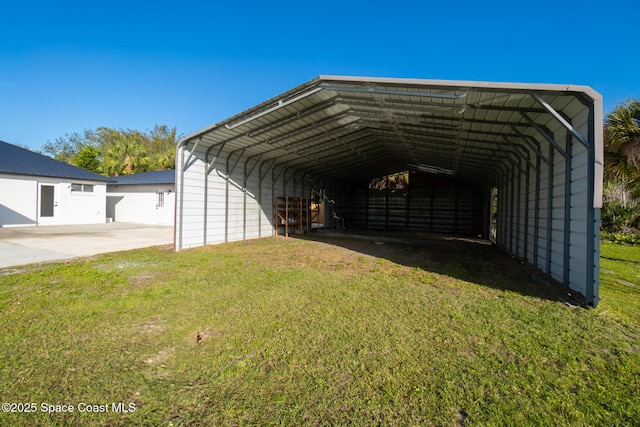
(534,151)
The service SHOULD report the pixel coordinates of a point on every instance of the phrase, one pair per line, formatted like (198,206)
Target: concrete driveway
(26,245)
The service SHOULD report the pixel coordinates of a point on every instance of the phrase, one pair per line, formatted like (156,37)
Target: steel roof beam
(564,122)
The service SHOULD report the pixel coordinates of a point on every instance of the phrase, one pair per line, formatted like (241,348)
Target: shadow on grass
(466,258)
(630,261)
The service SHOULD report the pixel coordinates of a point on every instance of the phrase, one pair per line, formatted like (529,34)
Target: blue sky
(66,66)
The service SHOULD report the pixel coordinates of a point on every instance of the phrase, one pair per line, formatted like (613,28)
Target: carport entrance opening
(539,147)
(411,201)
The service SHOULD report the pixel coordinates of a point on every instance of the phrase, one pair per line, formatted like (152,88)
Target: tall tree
(88,158)
(66,147)
(124,157)
(622,147)
(162,142)
(116,151)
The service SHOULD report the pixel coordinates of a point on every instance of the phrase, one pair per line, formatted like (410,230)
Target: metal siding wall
(579,211)
(359,207)
(567,262)
(190,203)
(521,201)
(266,198)
(215,208)
(558,215)
(532,202)
(235,208)
(543,212)
(421,213)
(244,217)
(253,213)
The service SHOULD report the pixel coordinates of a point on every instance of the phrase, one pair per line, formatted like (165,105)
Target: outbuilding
(38,190)
(520,164)
(145,198)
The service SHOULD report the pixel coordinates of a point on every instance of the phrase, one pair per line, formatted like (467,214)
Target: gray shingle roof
(19,161)
(146,178)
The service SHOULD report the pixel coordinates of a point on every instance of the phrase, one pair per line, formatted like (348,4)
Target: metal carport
(538,145)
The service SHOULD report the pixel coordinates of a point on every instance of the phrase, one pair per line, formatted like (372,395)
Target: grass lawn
(318,331)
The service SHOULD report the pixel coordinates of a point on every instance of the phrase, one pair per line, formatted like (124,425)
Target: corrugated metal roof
(358,128)
(167,177)
(19,161)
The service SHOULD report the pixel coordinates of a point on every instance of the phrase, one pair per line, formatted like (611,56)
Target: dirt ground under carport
(27,245)
(463,257)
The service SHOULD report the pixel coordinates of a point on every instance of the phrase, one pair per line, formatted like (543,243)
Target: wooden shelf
(291,215)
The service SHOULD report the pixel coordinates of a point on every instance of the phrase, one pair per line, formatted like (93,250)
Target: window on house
(160,199)
(82,188)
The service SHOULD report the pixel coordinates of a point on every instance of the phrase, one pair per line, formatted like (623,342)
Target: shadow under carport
(466,258)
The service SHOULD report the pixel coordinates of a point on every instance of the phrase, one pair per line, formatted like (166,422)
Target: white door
(159,207)
(48,204)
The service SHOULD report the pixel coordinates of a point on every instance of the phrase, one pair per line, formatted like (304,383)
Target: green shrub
(626,239)
(616,218)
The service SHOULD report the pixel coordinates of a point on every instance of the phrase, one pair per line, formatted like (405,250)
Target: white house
(146,198)
(38,190)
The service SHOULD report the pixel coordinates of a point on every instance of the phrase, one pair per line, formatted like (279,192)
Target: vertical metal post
(386,206)
(593,231)
(567,212)
(511,207)
(518,206)
(549,209)
(527,197)
(536,216)
(180,161)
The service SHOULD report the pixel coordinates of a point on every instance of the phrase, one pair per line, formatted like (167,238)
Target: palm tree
(161,142)
(125,156)
(622,147)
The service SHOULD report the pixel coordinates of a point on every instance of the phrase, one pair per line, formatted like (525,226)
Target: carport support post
(567,213)
(549,208)
(536,215)
(511,209)
(386,205)
(527,184)
(593,217)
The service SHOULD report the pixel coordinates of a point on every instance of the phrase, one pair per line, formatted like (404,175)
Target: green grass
(302,332)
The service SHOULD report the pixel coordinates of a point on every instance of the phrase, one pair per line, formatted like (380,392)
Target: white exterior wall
(139,204)
(20,202)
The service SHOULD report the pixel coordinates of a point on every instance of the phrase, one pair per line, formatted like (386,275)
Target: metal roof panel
(15,160)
